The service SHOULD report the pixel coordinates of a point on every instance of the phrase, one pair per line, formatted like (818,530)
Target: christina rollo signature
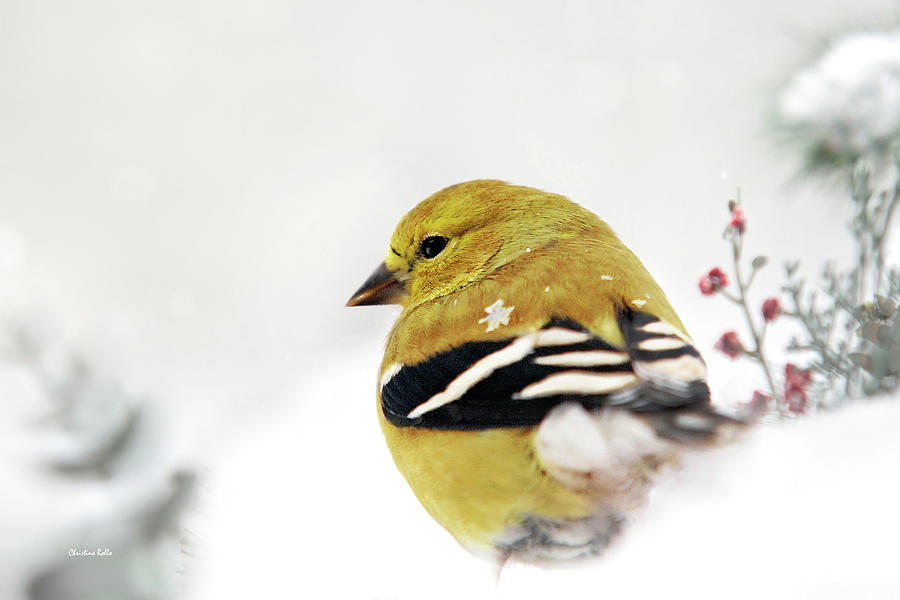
(86,552)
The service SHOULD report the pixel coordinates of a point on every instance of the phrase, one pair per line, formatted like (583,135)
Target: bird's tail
(699,425)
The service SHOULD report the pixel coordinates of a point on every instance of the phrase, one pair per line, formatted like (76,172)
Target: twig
(737,244)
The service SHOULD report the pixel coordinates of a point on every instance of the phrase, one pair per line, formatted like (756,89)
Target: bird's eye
(433,245)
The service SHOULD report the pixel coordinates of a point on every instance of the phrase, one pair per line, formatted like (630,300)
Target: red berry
(771,308)
(713,281)
(729,344)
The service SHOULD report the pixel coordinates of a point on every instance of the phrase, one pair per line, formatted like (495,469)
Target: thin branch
(736,251)
(882,235)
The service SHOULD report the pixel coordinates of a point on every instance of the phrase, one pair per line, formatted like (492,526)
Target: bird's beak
(382,287)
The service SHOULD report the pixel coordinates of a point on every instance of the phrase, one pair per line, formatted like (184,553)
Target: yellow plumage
(483,270)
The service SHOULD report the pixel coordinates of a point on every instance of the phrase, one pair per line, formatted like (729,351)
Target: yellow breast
(476,484)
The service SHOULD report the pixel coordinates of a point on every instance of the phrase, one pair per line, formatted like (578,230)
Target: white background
(192,190)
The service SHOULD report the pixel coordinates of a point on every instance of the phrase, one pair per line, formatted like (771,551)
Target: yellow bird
(537,376)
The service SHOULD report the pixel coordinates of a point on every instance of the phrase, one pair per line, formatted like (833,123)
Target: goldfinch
(537,376)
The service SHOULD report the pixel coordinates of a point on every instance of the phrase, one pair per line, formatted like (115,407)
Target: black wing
(517,381)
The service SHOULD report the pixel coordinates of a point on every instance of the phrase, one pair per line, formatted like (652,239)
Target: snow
(497,315)
(851,96)
(314,508)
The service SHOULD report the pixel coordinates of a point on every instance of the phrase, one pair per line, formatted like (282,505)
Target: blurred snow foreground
(92,506)
(804,508)
(847,103)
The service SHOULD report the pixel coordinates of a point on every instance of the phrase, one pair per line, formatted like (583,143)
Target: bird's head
(463,233)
